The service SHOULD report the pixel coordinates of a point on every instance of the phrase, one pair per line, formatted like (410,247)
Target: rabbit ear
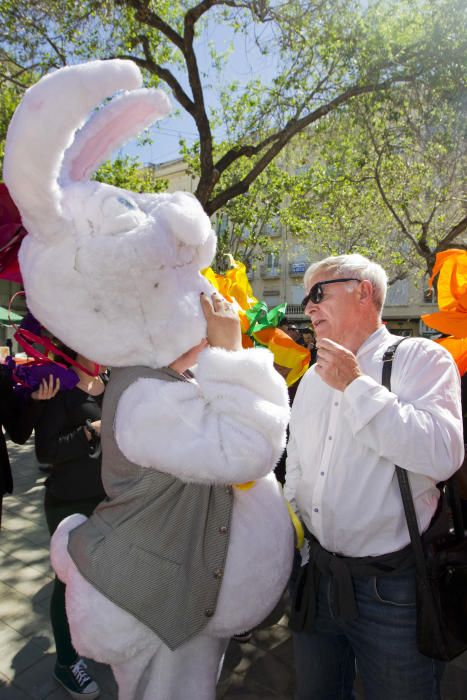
(109,128)
(43,127)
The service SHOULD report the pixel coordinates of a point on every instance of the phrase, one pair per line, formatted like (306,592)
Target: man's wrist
(353,378)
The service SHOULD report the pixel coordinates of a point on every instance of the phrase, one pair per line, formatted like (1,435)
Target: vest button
(209,612)
(223,530)
(218,573)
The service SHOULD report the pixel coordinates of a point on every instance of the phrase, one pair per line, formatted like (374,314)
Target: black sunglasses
(316,293)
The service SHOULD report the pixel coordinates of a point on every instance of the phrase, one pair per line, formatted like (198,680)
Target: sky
(244,63)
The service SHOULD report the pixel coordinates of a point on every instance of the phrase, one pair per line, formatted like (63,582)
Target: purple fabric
(33,374)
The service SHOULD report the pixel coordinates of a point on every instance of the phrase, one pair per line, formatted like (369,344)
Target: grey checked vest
(157,545)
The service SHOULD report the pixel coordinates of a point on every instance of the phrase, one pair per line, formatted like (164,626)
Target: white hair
(353,265)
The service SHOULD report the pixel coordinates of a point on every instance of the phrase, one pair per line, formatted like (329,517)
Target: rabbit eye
(119,214)
(126,203)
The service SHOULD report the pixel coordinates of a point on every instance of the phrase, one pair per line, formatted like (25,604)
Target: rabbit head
(113,274)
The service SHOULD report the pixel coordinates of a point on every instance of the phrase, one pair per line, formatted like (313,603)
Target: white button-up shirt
(343,446)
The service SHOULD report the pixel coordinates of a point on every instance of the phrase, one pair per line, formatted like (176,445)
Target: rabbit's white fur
(116,275)
(104,269)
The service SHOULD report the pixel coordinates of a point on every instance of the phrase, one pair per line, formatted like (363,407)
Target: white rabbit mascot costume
(178,558)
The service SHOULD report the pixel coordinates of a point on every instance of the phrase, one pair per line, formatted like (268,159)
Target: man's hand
(223,322)
(336,365)
(47,389)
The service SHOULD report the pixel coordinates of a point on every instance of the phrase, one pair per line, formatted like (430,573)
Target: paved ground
(260,670)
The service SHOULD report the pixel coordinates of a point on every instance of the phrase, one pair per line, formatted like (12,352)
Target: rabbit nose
(185,218)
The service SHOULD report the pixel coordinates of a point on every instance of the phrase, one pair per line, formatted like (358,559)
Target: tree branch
(209,176)
(249,150)
(194,13)
(390,207)
(5,58)
(11,79)
(151,66)
(196,105)
(151,19)
(51,42)
(282,137)
(398,276)
(455,231)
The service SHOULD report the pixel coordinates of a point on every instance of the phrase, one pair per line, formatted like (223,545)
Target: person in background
(308,338)
(68,438)
(292,330)
(310,343)
(18,416)
(355,601)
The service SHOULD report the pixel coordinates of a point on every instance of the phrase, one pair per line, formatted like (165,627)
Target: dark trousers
(381,643)
(55,511)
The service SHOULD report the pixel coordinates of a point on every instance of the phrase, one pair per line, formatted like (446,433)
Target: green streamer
(260,317)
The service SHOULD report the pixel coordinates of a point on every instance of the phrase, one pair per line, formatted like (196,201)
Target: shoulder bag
(441,563)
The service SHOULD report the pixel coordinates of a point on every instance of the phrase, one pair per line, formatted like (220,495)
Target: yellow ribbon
(298,527)
(247,485)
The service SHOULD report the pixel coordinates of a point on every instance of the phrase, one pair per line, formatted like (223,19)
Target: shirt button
(330,437)
(316,510)
(218,573)
(209,612)
(223,530)
(336,403)
(322,473)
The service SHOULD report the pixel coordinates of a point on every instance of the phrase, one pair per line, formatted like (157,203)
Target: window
(272,260)
(297,292)
(272,297)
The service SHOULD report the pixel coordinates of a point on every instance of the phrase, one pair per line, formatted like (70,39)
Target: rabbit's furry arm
(227,427)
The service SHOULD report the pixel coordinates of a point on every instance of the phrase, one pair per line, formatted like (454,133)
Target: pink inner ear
(112,133)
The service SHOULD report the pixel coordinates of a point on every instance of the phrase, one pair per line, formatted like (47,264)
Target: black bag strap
(403,479)
(402,476)
(406,491)
(456,509)
(387,362)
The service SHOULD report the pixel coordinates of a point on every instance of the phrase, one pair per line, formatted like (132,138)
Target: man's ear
(366,292)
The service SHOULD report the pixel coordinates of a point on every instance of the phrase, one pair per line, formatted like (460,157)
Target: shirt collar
(373,341)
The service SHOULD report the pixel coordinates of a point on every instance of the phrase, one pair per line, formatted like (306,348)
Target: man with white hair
(355,599)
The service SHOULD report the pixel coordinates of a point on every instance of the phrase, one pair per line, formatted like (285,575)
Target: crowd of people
(352,591)
(302,335)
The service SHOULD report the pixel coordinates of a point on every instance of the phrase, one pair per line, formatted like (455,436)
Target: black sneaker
(76,680)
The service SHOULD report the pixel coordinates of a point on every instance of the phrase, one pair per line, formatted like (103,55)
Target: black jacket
(61,442)
(18,416)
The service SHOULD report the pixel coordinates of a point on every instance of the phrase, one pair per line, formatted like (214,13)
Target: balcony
(294,310)
(271,273)
(297,269)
